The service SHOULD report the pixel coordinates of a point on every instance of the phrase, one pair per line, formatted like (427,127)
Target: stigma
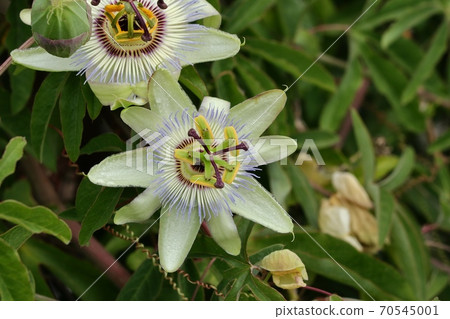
(206,161)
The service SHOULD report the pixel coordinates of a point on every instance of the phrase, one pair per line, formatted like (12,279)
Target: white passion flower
(197,166)
(131,39)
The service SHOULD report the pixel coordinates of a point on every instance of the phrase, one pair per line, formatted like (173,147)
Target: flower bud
(335,221)
(61,26)
(287,269)
(349,188)
(363,224)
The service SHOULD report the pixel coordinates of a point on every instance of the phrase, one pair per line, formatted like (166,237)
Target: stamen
(242,146)
(95,2)
(146,36)
(162,5)
(219,183)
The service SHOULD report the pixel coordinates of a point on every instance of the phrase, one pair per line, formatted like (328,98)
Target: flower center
(130,22)
(208,162)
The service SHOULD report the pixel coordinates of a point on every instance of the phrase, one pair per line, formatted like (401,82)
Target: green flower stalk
(130,40)
(61,26)
(198,166)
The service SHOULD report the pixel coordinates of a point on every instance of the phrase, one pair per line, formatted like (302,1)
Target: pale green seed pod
(61,26)
(287,269)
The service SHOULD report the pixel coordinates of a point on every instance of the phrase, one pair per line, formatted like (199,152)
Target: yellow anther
(201,180)
(204,129)
(231,135)
(114,7)
(230,175)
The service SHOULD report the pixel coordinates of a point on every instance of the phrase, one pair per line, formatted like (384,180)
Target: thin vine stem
(5,65)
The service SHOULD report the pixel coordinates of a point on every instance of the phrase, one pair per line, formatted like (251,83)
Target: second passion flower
(130,39)
(201,167)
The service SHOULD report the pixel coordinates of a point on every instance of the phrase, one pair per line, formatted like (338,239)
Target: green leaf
(190,78)
(437,282)
(12,154)
(96,204)
(365,147)
(294,62)
(73,272)
(263,291)
(15,282)
(22,80)
(401,172)
(384,208)
(93,105)
(337,107)
(108,142)
(408,21)
(16,236)
(228,88)
(280,184)
(322,139)
(336,298)
(72,108)
(43,107)
(36,219)
(347,265)
(144,285)
(257,257)
(246,13)
(255,79)
(304,194)
(409,252)
(428,63)
(440,144)
(390,81)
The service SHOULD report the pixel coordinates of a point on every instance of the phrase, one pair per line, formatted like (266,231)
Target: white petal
(140,209)
(177,233)
(166,96)
(141,120)
(224,232)
(269,149)
(259,206)
(39,59)
(25,16)
(259,112)
(205,9)
(210,45)
(217,104)
(132,168)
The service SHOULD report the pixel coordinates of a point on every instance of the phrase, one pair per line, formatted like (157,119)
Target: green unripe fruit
(61,26)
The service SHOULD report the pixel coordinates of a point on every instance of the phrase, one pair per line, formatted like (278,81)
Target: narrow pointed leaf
(12,154)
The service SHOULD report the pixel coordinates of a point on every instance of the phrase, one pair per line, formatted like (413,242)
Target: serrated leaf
(401,172)
(292,61)
(15,283)
(72,108)
(95,204)
(12,154)
(144,285)
(428,63)
(304,194)
(335,110)
(35,219)
(43,107)
(108,142)
(365,147)
(190,78)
